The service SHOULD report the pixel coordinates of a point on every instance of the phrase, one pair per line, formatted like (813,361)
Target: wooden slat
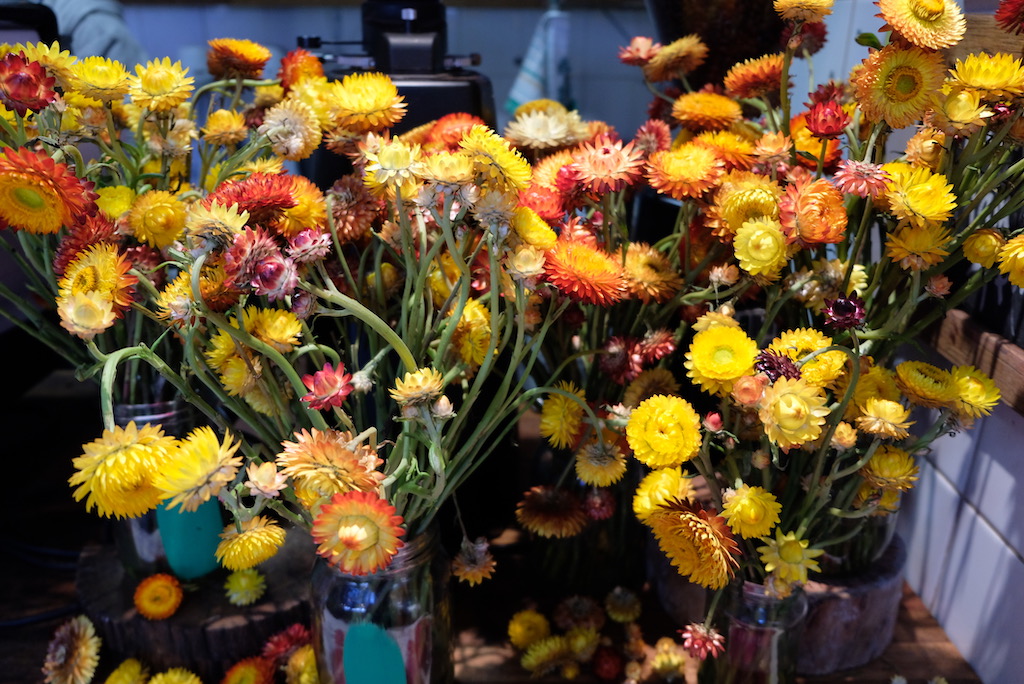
(983,35)
(963,342)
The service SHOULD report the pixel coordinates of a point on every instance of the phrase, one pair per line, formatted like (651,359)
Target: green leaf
(869,40)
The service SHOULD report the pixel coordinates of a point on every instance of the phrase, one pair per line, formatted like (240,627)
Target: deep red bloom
(264,196)
(250,249)
(1010,15)
(282,645)
(844,312)
(608,663)
(95,229)
(812,37)
(24,85)
(827,119)
(621,359)
(701,642)
(599,503)
(327,387)
(275,277)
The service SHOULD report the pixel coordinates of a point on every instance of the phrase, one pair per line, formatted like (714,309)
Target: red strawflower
(701,642)
(621,360)
(24,85)
(264,196)
(275,277)
(95,229)
(251,247)
(327,387)
(297,65)
(599,503)
(146,259)
(280,647)
(41,195)
(607,663)
(652,136)
(811,38)
(832,90)
(1010,15)
(569,183)
(547,202)
(827,119)
(657,344)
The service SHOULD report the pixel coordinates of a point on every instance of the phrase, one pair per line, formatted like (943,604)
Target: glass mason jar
(391,626)
(762,637)
(183,543)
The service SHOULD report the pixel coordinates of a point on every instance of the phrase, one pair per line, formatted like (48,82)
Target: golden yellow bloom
(925,384)
(792,412)
(214,226)
(931,24)
(561,417)
(157,217)
(982,247)
(659,487)
(650,382)
(73,653)
(279,328)
(761,247)
(822,370)
(719,356)
(751,511)
(844,437)
(926,148)
(418,387)
(743,197)
(225,127)
(664,431)
(115,200)
(366,102)
(472,336)
(917,248)
(649,274)
(160,86)
(544,655)
(703,111)
(600,462)
(329,462)
(809,11)
(158,596)
(395,165)
(245,587)
(890,467)
(176,675)
(679,57)
(495,160)
(309,212)
(130,671)
(102,79)
(921,197)
(532,229)
(115,472)
(897,84)
(474,562)
(686,171)
(235,58)
(1011,260)
(884,418)
(788,557)
(198,469)
(698,544)
(447,169)
(250,543)
(993,77)
(958,111)
(977,393)
(57,62)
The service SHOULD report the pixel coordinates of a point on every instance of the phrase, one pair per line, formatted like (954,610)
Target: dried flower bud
(760,459)
(713,422)
(748,390)
(442,408)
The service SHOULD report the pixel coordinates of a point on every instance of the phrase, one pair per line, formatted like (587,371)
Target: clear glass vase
(762,637)
(391,626)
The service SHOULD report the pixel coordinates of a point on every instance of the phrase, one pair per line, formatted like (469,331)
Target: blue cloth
(544,72)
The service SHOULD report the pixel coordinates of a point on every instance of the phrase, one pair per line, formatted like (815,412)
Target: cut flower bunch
(814,247)
(355,353)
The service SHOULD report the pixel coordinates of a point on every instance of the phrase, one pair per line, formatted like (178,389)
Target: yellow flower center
(85,280)
(29,198)
(160,219)
(791,551)
(928,10)
(791,412)
(902,83)
(357,533)
(723,355)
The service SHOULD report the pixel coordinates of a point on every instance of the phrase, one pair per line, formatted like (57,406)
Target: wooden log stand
(207,634)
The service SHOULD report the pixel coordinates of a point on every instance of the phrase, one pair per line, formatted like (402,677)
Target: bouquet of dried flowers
(356,353)
(807,258)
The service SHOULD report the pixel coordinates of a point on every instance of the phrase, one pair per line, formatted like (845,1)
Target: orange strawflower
(158,596)
(755,77)
(812,213)
(584,273)
(703,111)
(233,58)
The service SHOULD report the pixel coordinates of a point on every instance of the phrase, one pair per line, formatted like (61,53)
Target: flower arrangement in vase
(809,258)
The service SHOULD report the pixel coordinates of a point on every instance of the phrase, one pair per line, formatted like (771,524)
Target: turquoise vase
(190,538)
(183,543)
